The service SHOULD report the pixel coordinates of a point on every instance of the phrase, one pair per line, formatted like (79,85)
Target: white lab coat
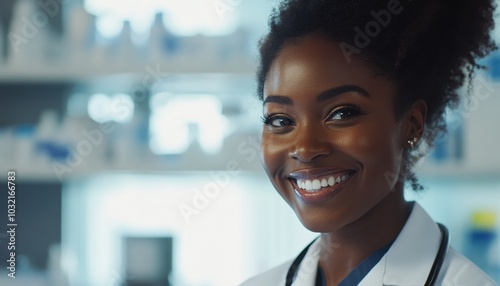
(407,262)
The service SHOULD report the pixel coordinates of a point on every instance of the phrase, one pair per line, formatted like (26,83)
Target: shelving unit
(60,170)
(230,85)
(73,72)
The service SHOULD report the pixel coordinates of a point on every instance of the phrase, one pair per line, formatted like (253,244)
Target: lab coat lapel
(411,256)
(306,274)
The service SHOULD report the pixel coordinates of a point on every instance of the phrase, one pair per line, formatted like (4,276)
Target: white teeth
(308,185)
(331,181)
(324,183)
(316,184)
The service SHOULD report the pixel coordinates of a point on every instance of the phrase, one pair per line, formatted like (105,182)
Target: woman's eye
(345,113)
(278,121)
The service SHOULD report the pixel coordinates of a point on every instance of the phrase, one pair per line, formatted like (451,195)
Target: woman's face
(330,142)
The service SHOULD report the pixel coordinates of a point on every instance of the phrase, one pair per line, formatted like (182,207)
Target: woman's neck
(343,250)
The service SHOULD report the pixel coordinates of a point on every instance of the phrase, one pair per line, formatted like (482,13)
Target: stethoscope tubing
(441,254)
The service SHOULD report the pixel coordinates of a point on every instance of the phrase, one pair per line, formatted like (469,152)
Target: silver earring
(413,142)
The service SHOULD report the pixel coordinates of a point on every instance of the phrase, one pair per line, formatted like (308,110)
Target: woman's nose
(309,146)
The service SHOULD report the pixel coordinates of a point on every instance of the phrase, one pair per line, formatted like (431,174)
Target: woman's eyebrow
(278,99)
(336,91)
(323,96)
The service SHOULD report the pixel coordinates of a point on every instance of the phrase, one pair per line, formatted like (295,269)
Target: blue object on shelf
(24,130)
(479,246)
(481,240)
(53,150)
(493,64)
(439,152)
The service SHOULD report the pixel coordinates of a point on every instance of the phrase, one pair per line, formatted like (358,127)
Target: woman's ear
(414,123)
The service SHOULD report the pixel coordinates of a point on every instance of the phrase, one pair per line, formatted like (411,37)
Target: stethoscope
(431,279)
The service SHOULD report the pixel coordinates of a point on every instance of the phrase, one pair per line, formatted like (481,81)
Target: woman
(353,94)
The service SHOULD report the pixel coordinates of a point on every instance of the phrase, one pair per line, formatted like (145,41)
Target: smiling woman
(333,119)
(342,123)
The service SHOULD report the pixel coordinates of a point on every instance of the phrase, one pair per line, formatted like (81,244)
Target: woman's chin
(319,224)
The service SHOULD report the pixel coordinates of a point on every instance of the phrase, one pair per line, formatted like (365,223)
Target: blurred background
(133,131)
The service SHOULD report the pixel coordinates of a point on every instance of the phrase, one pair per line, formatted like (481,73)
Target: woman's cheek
(372,147)
(271,153)
(377,151)
(273,158)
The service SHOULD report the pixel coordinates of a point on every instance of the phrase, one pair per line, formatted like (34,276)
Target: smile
(315,185)
(312,188)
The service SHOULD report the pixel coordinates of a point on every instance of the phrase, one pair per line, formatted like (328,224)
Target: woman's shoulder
(458,270)
(274,276)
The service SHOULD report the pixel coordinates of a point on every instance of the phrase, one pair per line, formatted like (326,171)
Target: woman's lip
(323,194)
(307,174)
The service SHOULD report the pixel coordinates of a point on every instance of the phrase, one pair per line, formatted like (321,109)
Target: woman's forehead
(314,63)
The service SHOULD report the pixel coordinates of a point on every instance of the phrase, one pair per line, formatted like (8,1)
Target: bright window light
(119,108)
(176,120)
(109,26)
(208,17)
(185,18)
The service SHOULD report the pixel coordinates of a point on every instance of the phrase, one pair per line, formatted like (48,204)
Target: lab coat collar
(408,261)
(410,258)
(306,274)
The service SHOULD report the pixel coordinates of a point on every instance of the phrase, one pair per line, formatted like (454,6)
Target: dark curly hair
(428,49)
